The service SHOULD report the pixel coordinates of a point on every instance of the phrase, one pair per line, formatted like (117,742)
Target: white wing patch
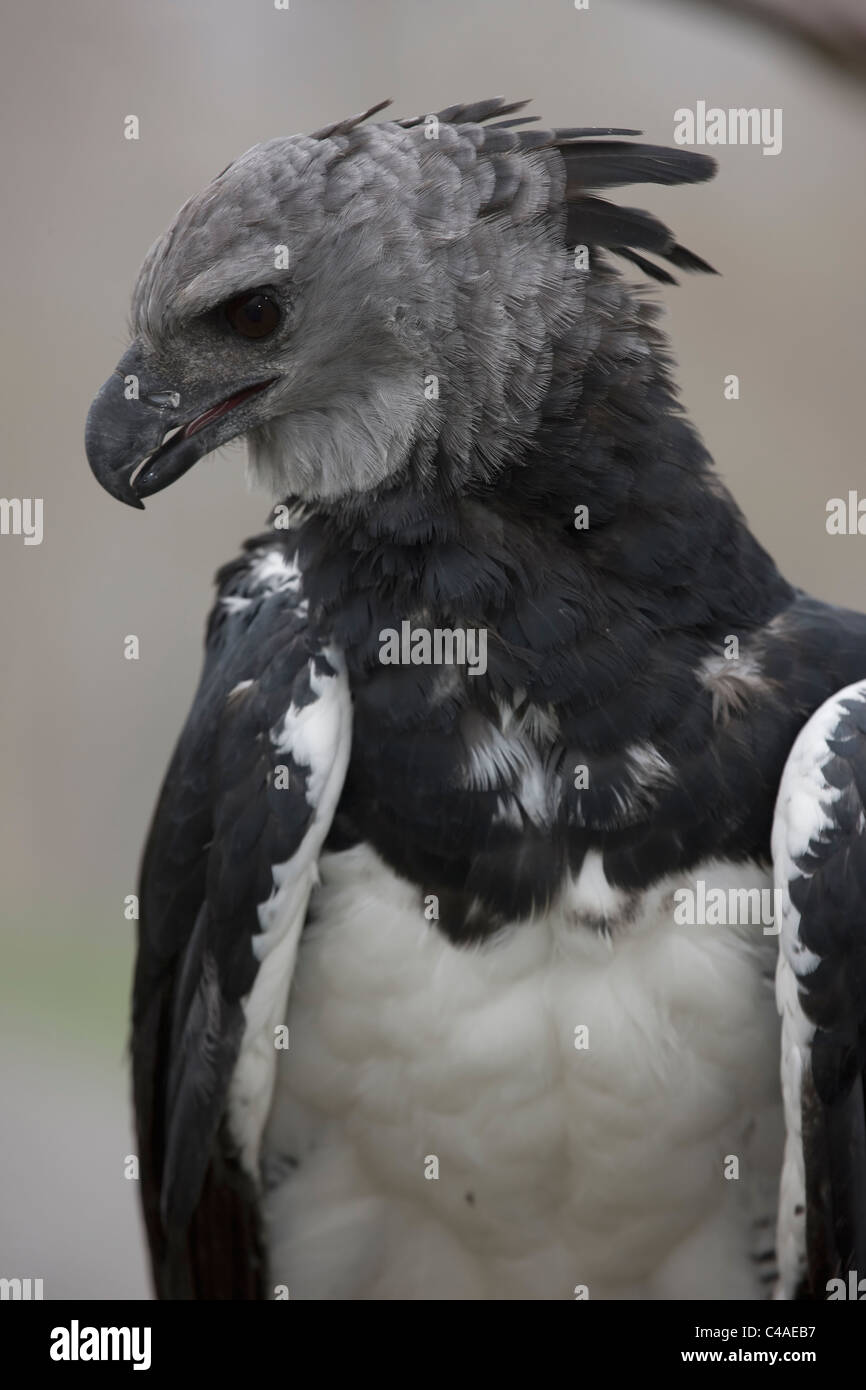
(318,737)
(799,819)
(274,572)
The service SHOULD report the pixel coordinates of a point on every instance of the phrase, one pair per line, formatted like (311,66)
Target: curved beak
(142,434)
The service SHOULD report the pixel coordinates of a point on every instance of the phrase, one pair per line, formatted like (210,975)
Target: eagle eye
(253,315)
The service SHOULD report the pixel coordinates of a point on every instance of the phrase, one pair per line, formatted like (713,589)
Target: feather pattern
(225,840)
(819,851)
(506,458)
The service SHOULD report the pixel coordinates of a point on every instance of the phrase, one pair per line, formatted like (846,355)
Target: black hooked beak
(142,435)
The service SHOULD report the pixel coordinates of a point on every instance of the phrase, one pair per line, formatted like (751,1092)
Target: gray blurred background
(86,734)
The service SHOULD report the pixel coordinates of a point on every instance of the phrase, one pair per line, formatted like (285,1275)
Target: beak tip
(115,483)
(115,434)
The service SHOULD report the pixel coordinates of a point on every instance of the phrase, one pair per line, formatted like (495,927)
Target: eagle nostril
(164,398)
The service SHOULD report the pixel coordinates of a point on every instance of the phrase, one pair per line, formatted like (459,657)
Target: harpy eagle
(420,1010)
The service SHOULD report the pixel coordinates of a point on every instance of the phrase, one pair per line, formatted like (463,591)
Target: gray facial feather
(412,324)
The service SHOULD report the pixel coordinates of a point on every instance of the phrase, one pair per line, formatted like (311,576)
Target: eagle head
(370,300)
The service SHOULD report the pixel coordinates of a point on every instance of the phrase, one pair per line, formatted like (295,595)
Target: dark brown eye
(253,315)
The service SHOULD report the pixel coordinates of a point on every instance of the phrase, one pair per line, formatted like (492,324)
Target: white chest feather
(555,1111)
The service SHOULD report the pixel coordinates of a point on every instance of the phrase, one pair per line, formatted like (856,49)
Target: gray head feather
(426,285)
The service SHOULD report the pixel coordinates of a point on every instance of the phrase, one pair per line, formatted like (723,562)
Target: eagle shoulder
(819,857)
(229,865)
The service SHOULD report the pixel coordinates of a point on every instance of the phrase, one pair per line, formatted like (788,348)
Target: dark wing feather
(819,849)
(218,830)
